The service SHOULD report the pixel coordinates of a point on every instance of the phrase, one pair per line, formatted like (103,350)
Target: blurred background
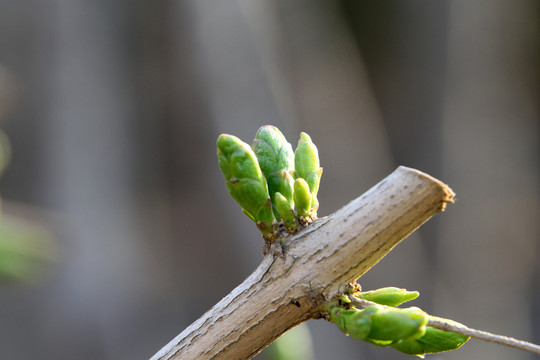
(113,108)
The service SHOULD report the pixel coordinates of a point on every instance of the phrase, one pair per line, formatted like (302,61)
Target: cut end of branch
(447,194)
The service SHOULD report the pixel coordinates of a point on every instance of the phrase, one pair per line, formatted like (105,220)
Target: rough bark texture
(318,264)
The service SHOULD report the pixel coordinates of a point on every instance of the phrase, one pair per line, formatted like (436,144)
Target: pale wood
(319,263)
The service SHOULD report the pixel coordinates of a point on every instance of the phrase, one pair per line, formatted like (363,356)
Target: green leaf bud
(397,324)
(246,182)
(285,210)
(432,341)
(273,151)
(236,159)
(389,296)
(314,179)
(306,164)
(410,346)
(276,160)
(359,324)
(302,197)
(281,182)
(338,315)
(403,329)
(306,156)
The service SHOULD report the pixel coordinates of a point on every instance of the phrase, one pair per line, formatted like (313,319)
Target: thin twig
(445,325)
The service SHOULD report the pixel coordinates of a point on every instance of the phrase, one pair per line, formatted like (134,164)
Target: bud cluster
(276,187)
(404,329)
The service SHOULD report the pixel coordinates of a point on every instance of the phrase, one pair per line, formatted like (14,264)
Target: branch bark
(318,264)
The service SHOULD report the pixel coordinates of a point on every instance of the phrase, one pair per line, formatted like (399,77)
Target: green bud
(306,156)
(314,179)
(403,329)
(285,210)
(276,160)
(273,151)
(359,324)
(411,346)
(390,296)
(281,182)
(376,324)
(302,197)
(397,324)
(432,341)
(337,315)
(245,181)
(253,197)
(306,164)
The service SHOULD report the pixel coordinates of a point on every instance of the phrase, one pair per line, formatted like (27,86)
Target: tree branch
(318,264)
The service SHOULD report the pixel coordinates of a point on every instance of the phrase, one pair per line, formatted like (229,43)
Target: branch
(443,324)
(318,264)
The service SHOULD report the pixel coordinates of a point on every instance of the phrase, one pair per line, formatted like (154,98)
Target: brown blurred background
(113,108)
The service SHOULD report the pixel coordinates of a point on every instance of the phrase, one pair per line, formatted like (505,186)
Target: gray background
(113,108)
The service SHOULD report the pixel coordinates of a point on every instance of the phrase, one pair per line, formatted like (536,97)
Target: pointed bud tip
(304,136)
(280,197)
(390,296)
